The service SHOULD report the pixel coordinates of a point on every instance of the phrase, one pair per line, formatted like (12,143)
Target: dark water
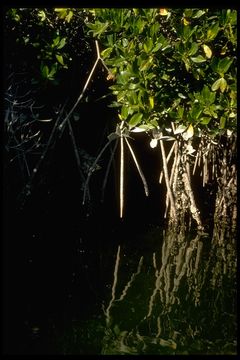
(118,289)
(80,281)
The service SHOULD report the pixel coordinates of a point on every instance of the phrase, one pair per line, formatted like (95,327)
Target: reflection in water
(178,300)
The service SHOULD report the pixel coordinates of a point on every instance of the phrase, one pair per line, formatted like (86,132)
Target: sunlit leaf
(69,16)
(124,112)
(163,12)
(220,83)
(60,59)
(198,14)
(105,53)
(189,133)
(223,85)
(153,143)
(139,129)
(208,51)
(157,47)
(135,119)
(213,31)
(198,59)
(182,96)
(62,12)
(187,64)
(180,129)
(42,15)
(62,43)
(185,22)
(205,120)
(151,102)
(190,149)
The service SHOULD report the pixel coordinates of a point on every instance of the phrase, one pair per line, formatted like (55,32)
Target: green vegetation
(171,73)
(177,65)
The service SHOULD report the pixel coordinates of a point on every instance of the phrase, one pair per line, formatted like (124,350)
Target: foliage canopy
(171,65)
(166,65)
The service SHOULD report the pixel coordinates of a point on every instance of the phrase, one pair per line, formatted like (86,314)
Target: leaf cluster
(47,38)
(176,65)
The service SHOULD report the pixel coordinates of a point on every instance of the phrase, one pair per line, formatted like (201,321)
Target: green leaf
(60,59)
(222,122)
(205,120)
(198,59)
(125,42)
(205,92)
(45,71)
(62,43)
(198,14)
(157,47)
(62,12)
(123,77)
(52,72)
(56,41)
(216,84)
(135,119)
(105,53)
(224,65)
(212,31)
(145,65)
(133,86)
(69,16)
(193,49)
(98,27)
(223,85)
(42,15)
(124,112)
(151,102)
(187,64)
(196,111)
(180,112)
(154,29)
(148,45)
(208,96)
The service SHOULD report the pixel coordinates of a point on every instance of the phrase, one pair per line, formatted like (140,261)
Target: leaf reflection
(179,300)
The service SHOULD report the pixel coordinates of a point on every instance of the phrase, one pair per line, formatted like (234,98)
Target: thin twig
(77,156)
(165,169)
(90,172)
(121,176)
(168,158)
(195,163)
(76,151)
(193,207)
(85,86)
(36,168)
(108,168)
(138,168)
(171,178)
